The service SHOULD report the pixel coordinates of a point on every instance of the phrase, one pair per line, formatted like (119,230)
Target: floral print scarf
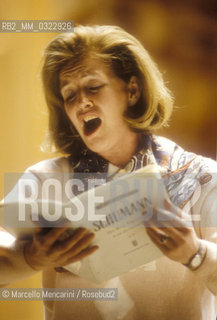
(182,171)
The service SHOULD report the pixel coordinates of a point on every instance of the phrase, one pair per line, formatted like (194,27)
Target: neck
(121,154)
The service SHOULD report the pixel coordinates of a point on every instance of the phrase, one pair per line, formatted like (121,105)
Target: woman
(105,97)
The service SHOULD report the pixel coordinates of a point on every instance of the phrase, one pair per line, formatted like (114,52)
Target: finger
(151,225)
(49,238)
(169,206)
(82,244)
(42,230)
(155,237)
(175,235)
(61,270)
(161,232)
(72,240)
(172,229)
(70,234)
(38,229)
(162,216)
(84,253)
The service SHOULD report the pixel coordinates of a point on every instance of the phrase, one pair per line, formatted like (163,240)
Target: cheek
(71,115)
(117,109)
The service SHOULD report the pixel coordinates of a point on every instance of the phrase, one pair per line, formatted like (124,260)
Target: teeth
(88,118)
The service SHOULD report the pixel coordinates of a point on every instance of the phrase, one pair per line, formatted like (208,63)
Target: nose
(84,102)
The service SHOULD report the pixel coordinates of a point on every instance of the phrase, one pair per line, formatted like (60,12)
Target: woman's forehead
(87,68)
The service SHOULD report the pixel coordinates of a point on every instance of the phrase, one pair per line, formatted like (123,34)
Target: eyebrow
(64,83)
(65,88)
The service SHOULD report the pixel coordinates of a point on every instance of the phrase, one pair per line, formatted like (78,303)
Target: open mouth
(91,124)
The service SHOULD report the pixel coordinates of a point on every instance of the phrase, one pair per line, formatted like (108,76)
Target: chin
(97,147)
(93,146)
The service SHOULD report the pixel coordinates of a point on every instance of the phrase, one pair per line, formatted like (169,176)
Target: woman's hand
(55,248)
(173,233)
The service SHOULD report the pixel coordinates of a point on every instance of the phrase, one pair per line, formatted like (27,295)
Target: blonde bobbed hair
(126,56)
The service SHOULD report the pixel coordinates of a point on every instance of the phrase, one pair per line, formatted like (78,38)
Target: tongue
(91,126)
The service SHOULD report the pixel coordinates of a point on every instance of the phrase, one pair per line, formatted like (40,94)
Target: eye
(70,98)
(94,89)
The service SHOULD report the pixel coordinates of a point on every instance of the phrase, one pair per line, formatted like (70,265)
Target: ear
(134,91)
